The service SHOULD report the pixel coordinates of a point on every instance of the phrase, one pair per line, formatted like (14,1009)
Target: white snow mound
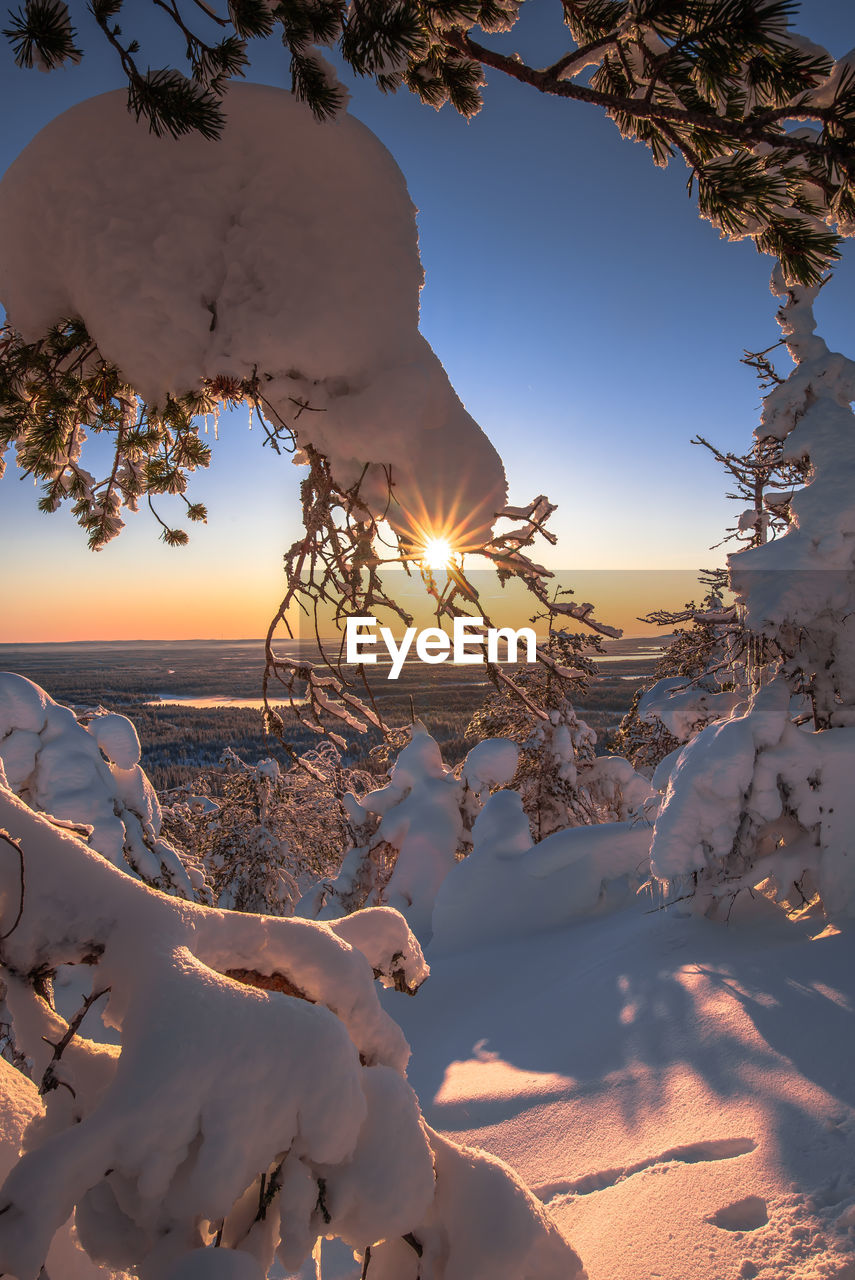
(287,248)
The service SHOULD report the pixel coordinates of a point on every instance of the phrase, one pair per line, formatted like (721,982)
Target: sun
(437,553)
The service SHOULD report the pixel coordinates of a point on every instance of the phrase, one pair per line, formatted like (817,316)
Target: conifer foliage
(715,81)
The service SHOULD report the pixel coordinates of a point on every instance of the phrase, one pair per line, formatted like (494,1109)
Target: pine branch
(41,35)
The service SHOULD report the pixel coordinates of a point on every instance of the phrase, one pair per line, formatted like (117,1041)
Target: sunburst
(437,553)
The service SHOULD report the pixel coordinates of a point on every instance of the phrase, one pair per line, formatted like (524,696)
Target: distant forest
(179,741)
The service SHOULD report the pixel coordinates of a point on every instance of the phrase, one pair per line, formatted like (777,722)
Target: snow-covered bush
(248,863)
(83,771)
(765,798)
(263,832)
(758,802)
(707,670)
(563,783)
(409,833)
(509,888)
(257,1099)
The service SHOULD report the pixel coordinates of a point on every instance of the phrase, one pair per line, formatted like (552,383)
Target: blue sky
(588,319)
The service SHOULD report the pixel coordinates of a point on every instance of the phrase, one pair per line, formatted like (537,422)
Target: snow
(491,763)
(20,1107)
(684,707)
(386,942)
(215,1264)
(85,771)
(673,1095)
(490,1226)
(117,738)
(295,258)
(677,1092)
(507,888)
(254,1054)
(418,815)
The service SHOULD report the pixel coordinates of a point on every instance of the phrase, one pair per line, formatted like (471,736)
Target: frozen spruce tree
(702,675)
(249,862)
(264,831)
(713,659)
(764,798)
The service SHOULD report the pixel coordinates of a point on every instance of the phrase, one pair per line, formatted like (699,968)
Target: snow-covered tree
(258,1097)
(714,660)
(248,862)
(561,779)
(763,797)
(82,769)
(700,677)
(264,832)
(716,82)
(408,834)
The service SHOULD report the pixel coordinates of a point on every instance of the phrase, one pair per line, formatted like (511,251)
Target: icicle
(216,421)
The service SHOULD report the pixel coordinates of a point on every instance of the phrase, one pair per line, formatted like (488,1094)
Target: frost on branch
(335,570)
(83,771)
(257,1098)
(263,833)
(289,277)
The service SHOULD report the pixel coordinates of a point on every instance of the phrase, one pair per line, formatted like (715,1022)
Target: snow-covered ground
(679,1093)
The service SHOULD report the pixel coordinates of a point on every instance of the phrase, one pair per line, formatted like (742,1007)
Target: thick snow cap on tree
(797,579)
(86,773)
(288,248)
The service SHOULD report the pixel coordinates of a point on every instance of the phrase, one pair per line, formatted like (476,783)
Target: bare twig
(4,835)
(49,1079)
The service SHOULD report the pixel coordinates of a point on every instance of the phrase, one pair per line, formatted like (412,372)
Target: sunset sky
(588,319)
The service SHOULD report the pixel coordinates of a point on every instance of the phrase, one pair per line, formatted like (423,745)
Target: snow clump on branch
(285,256)
(84,772)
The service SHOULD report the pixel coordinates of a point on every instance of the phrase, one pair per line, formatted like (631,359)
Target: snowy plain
(679,1093)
